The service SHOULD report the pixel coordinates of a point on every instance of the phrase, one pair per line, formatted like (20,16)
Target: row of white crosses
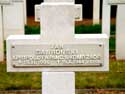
(12,20)
(57,52)
(120,25)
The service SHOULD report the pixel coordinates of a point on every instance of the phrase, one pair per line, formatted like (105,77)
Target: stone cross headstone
(2,3)
(12,20)
(13,16)
(120,26)
(1,37)
(78,12)
(57,52)
(120,33)
(5,2)
(106,17)
(96,11)
(25,11)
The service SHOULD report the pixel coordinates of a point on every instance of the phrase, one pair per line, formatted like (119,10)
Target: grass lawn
(115,78)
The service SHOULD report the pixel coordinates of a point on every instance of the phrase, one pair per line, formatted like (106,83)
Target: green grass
(12,81)
(32,30)
(115,78)
(82,29)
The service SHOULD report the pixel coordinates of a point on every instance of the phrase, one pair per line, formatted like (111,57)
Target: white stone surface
(120,33)
(57,29)
(96,11)
(59,0)
(116,2)
(1,37)
(57,19)
(58,83)
(37,13)
(106,19)
(5,2)
(13,19)
(79,39)
(25,12)
(78,12)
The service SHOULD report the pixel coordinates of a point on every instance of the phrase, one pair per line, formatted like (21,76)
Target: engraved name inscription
(58,55)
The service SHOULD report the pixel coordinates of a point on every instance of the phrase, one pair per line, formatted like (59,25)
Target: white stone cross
(96,11)
(1,38)
(57,52)
(78,12)
(5,2)
(120,25)
(12,20)
(2,3)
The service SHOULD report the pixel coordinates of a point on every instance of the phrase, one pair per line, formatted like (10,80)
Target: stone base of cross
(58,52)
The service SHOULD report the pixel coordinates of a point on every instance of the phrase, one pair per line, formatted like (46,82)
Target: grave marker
(57,49)
(116,2)
(120,35)
(106,13)
(5,2)
(96,11)
(1,37)
(78,12)
(14,23)
(2,3)
(25,11)
(58,1)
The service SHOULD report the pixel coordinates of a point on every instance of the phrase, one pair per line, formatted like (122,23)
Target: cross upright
(57,52)
(11,21)
(120,27)
(2,3)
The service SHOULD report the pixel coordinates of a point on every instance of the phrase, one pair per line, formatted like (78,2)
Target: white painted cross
(78,12)
(120,25)
(1,37)
(57,52)
(2,3)
(25,11)
(12,20)
(13,17)
(96,11)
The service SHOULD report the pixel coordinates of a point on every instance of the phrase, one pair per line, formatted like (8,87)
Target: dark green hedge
(82,29)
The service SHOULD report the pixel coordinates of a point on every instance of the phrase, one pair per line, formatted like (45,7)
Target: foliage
(115,78)
(92,29)
(32,30)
